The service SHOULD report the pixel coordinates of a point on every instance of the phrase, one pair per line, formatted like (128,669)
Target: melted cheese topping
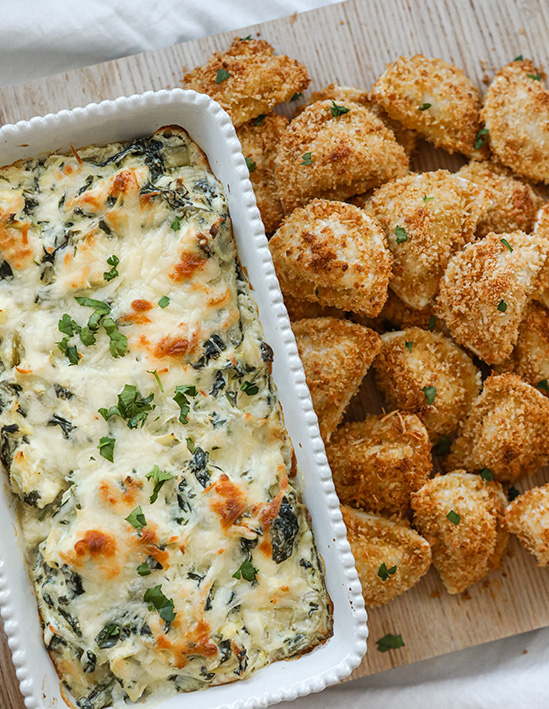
(141,430)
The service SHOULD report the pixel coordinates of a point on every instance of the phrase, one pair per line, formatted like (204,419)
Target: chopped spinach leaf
(131,407)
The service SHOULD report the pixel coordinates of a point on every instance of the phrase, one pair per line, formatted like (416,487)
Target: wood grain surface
(350,43)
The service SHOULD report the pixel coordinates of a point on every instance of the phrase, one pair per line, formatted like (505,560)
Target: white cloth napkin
(41,37)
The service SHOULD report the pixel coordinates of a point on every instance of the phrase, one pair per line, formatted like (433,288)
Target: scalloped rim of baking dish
(210,127)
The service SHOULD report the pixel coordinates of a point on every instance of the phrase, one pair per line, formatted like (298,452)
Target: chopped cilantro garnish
(190,445)
(143,569)
(487,475)
(113,273)
(158,601)
(427,199)
(136,518)
(155,375)
(520,58)
(336,110)
(535,77)
(180,398)
(98,305)
(401,235)
(384,573)
(424,107)
(68,326)
(389,642)
(259,120)
(246,571)
(118,341)
(131,407)
(502,306)
(106,448)
(409,346)
(245,39)
(507,244)
(249,388)
(176,224)
(164,301)
(481,138)
(512,493)
(297,96)
(453,517)
(70,351)
(307,159)
(432,323)
(430,393)
(222,75)
(544,384)
(444,445)
(250,164)
(159,477)
(87,336)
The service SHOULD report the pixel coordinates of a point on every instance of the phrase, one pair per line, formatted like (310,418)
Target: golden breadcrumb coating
(298,309)
(341,94)
(541,229)
(528,517)
(485,289)
(461,516)
(433,98)
(333,254)
(377,463)
(257,80)
(530,358)
(426,218)
(516,112)
(397,313)
(335,157)
(435,380)
(505,431)
(511,204)
(379,545)
(259,140)
(336,354)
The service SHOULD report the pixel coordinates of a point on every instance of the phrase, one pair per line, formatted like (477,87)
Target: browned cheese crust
(377,463)
(530,358)
(485,289)
(333,254)
(405,378)
(466,549)
(341,94)
(335,157)
(516,112)
(438,213)
(336,354)
(258,80)
(449,99)
(259,139)
(375,541)
(541,229)
(528,517)
(510,203)
(505,431)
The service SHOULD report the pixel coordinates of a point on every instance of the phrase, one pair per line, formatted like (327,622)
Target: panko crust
(349,154)
(530,358)
(375,541)
(505,431)
(377,463)
(259,143)
(340,94)
(511,204)
(435,361)
(336,354)
(439,214)
(397,313)
(298,309)
(516,112)
(452,119)
(528,518)
(541,229)
(465,552)
(333,254)
(484,292)
(258,80)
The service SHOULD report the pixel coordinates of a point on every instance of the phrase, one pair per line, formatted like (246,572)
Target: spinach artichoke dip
(141,430)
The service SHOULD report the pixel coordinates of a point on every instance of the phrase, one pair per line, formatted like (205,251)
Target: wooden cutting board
(350,43)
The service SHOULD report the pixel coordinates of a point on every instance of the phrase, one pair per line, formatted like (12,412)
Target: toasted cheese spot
(96,543)
(141,305)
(176,346)
(115,497)
(124,183)
(187,266)
(195,642)
(232,503)
(14,241)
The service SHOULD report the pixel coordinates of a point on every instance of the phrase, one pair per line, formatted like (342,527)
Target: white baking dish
(208,125)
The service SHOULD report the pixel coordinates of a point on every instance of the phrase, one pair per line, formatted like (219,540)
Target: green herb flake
(307,159)
(113,273)
(246,571)
(430,394)
(502,306)
(158,601)
(137,519)
(507,244)
(389,642)
(143,569)
(176,224)
(158,477)
(424,107)
(336,110)
(432,323)
(535,77)
(68,326)
(164,302)
(481,138)
(259,120)
(487,475)
(544,385)
(453,517)
(155,375)
(222,75)
(180,398)
(512,493)
(87,336)
(106,448)
(384,573)
(401,235)
(520,58)
(250,164)
(409,346)
(245,39)
(444,445)
(118,341)
(297,96)
(132,407)
(427,199)
(98,305)
(249,388)
(70,351)
(190,445)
